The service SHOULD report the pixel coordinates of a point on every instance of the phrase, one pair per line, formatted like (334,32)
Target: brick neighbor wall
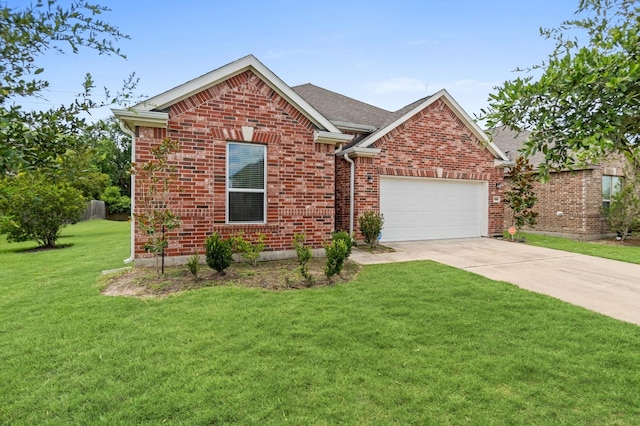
(434,143)
(570,202)
(300,173)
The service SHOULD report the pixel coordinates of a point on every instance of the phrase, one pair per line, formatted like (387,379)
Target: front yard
(409,343)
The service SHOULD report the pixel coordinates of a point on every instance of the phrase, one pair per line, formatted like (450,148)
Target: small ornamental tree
(521,198)
(154,213)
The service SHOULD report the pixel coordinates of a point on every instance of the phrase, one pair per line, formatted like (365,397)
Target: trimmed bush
(219,253)
(337,252)
(371,224)
(304,255)
(343,236)
(249,249)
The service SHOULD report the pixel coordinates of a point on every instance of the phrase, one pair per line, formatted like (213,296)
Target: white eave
(133,118)
(503,163)
(249,62)
(354,127)
(460,113)
(331,138)
(358,151)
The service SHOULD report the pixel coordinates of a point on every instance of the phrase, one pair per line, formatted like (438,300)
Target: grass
(407,343)
(622,253)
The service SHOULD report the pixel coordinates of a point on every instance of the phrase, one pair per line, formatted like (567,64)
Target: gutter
(503,163)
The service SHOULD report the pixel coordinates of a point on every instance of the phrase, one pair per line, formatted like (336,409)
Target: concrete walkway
(606,286)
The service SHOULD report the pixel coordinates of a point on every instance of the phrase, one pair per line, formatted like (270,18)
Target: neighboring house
(571,202)
(258,156)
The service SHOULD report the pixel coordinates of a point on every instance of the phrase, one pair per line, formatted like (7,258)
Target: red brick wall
(577,195)
(433,143)
(300,173)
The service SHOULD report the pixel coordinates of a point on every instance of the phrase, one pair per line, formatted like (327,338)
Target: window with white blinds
(246,188)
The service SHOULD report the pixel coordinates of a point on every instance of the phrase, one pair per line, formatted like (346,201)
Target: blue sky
(386,53)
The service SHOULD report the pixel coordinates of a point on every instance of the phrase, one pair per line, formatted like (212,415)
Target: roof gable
(170,97)
(402,115)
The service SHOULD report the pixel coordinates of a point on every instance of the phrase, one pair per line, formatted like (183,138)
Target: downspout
(133,192)
(351,191)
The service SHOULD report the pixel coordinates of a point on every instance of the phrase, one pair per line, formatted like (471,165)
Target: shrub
(304,255)
(343,236)
(623,214)
(117,203)
(194,264)
(336,252)
(33,208)
(370,226)
(219,252)
(250,250)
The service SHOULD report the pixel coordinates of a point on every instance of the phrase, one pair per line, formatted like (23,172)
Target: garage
(428,209)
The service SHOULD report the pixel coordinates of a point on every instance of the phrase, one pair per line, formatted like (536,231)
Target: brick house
(259,156)
(570,203)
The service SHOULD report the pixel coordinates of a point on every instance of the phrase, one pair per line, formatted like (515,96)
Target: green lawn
(409,343)
(616,252)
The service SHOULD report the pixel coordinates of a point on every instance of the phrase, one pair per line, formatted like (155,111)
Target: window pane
(246,207)
(616,184)
(246,166)
(606,187)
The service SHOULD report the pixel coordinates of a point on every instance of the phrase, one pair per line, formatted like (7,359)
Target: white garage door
(428,209)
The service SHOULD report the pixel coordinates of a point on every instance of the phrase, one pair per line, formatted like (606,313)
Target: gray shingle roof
(510,143)
(340,108)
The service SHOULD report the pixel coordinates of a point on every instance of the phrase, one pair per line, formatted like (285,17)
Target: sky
(385,53)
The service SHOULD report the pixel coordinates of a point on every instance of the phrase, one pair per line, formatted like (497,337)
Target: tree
(521,198)
(35,208)
(47,147)
(586,102)
(154,214)
(112,149)
(31,140)
(77,168)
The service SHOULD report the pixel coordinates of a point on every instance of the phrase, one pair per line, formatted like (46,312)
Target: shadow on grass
(36,249)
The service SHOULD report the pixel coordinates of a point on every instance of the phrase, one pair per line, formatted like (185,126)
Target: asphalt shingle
(337,107)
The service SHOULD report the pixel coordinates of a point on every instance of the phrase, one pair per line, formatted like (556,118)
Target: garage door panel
(417,209)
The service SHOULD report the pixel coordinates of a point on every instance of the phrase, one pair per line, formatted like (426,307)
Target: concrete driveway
(601,285)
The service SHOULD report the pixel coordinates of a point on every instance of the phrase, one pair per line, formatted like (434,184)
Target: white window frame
(228,189)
